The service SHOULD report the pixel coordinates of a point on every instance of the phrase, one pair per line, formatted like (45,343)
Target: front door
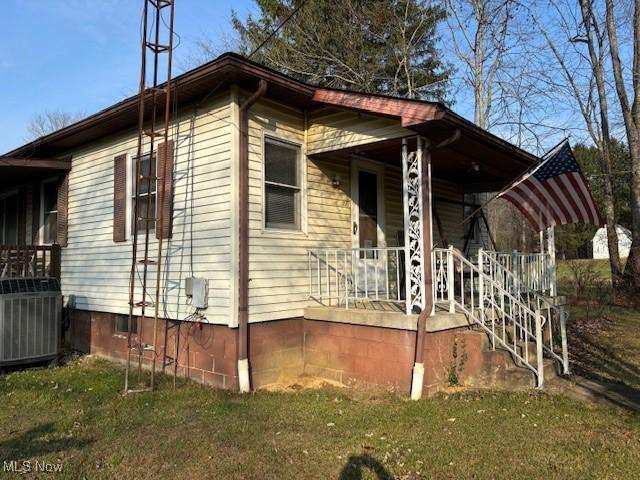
(367,214)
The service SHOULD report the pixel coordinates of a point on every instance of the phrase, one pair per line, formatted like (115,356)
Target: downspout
(417,381)
(243,244)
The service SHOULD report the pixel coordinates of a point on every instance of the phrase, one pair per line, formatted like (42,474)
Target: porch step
(514,373)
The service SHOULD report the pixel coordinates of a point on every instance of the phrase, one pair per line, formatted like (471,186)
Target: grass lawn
(599,267)
(76,415)
(604,340)
(605,343)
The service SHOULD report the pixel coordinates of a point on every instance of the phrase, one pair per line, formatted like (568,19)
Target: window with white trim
(282,185)
(49,209)
(147,196)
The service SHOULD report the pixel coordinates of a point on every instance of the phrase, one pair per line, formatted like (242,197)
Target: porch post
(427,214)
(412,190)
(422,264)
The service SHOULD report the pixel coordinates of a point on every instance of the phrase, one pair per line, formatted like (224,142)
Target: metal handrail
(496,310)
(518,287)
(534,269)
(343,276)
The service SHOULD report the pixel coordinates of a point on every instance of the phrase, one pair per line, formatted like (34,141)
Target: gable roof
(230,68)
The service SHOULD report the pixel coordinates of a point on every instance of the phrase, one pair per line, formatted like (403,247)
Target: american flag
(555,192)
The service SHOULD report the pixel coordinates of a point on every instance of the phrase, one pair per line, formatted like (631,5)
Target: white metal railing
(555,338)
(345,276)
(509,322)
(535,270)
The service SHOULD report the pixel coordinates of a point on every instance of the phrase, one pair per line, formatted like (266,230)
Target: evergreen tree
(379,46)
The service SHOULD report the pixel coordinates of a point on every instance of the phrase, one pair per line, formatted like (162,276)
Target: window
(147,197)
(281,185)
(121,322)
(9,219)
(49,212)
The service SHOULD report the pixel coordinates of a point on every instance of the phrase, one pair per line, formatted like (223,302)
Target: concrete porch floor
(440,321)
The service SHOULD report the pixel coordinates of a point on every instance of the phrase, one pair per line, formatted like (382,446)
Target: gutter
(243,244)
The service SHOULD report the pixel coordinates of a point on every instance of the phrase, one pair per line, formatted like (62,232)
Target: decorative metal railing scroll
(413,227)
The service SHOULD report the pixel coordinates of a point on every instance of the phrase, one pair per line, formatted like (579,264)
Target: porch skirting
(280,351)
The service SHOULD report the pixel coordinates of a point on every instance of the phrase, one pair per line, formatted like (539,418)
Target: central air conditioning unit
(30,320)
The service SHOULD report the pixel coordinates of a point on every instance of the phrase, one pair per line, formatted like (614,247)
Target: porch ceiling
(14,171)
(470,162)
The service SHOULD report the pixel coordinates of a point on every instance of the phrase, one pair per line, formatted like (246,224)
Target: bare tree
(49,122)
(624,79)
(487,41)
(584,75)
(480,37)
(582,78)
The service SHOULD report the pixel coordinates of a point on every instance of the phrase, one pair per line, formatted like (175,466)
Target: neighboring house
(601,244)
(341,190)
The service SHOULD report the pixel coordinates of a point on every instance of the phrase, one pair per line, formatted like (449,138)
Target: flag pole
(551,248)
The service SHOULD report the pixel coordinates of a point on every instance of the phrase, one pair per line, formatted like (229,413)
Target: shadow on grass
(609,376)
(38,441)
(355,468)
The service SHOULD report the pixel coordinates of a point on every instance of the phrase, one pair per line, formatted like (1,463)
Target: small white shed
(601,248)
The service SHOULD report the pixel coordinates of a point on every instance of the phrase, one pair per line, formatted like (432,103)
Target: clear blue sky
(84,55)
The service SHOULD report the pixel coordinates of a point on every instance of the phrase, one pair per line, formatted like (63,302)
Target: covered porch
(32,216)
(409,197)
(440,256)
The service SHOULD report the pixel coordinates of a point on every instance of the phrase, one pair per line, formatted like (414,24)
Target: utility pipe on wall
(424,150)
(244,382)
(417,381)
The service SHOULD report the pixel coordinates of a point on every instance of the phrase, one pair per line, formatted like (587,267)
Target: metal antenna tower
(154,113)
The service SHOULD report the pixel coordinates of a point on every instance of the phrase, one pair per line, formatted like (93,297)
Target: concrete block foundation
(280,351)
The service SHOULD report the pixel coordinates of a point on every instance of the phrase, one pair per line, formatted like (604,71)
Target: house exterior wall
(278,263)
(331,129)
(96,270)
(450,214)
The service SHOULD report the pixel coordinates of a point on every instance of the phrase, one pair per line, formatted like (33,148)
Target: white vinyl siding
(96,270)
(205,230)
(277,258)
(278,263)
(448,205)
(332,129)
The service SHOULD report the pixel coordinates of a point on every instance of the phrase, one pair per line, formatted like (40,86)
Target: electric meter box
(198,289)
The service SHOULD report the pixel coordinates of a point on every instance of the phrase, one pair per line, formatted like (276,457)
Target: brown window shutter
(63,210)
(120,198)
(22,215)
(165,178)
